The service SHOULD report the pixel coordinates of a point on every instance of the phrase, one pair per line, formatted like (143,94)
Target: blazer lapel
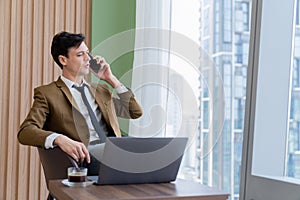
(60,84)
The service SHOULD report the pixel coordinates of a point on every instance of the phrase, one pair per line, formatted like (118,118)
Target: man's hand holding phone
(100,68)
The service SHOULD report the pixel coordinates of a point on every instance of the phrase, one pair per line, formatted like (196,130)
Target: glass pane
(229,40)
(224,34)
(293,151)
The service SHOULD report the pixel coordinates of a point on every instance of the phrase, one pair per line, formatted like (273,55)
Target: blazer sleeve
(127,106)
(34,122)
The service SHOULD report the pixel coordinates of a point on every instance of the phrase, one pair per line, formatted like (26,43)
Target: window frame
(267,113)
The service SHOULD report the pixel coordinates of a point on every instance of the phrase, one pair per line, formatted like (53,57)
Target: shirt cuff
(50,139)
(121,89)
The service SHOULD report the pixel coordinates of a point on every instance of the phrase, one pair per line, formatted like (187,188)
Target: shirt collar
(70,83)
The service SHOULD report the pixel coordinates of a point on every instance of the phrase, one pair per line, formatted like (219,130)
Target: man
(59,115)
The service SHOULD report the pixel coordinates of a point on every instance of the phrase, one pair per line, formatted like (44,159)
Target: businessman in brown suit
(59,117)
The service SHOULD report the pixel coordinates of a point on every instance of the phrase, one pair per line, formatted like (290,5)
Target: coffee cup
(77,174)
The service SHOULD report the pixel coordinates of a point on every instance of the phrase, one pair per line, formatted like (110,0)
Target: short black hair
(62,42)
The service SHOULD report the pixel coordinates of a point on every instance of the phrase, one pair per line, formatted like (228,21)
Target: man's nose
(86,56)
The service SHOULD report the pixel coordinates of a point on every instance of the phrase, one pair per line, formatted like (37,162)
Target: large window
(195,84)
(229,116)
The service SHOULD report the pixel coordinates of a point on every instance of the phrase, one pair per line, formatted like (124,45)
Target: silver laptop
(130,160)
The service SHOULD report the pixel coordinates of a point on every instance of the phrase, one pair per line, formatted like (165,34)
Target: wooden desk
(179,189)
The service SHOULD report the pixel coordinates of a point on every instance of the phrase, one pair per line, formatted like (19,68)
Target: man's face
(77,62)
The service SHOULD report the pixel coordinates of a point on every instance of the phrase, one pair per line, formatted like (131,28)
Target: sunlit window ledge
(284,179)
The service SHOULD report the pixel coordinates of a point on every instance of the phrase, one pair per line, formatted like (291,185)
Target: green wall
(110,17)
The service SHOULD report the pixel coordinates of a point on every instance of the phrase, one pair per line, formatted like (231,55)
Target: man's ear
(62,60)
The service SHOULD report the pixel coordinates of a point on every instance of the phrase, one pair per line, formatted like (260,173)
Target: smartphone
(93,64)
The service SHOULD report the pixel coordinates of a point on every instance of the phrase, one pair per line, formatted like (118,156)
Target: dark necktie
(94,120)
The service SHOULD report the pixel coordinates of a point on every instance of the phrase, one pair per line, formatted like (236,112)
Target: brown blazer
(54,110)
